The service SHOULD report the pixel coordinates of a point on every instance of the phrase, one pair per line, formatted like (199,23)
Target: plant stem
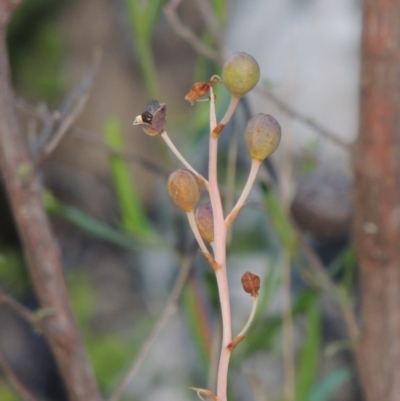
(251,317)
(220,256)
(255,165)
(167,139)
(231,109)
(196,232)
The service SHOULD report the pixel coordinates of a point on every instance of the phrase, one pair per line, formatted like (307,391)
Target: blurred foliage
(143,17)
(133,218)
(36,49)
(13,274)
(6,394)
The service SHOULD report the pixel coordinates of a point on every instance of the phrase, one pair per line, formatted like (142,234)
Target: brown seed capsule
(184,189)
(205,221)
(251,283)
(240,74)
(263,134)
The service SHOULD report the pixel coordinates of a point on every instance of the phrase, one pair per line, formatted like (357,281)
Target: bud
(263,134)
(251,283)
(205,221)
(184,189)
(240,74)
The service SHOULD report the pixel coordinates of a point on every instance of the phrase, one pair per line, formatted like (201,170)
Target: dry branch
(40,249)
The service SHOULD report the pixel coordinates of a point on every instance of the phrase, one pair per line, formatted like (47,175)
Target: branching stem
(220,256)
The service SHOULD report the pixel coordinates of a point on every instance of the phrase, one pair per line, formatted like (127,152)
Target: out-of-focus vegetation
(37,53)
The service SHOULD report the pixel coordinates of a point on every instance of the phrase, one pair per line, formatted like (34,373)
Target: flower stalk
(240,74)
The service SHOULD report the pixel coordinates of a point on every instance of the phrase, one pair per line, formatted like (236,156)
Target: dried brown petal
(251,283)
(200,89)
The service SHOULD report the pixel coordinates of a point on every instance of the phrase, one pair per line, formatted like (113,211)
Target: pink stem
(219,256)
(255,165)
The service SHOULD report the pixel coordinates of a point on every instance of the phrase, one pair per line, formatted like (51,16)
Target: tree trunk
(377,201)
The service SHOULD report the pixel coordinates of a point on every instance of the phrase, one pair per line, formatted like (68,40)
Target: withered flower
(251,283)
(199,89)
(153,119)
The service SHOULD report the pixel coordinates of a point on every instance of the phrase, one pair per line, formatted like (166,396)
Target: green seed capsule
(263,134)
(240,74)
(205,221)
(184,189)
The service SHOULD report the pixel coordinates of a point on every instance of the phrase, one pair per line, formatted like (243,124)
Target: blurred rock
(322,204)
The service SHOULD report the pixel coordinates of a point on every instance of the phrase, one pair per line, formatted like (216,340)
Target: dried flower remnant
(153,119)
(251,283)
(200,89)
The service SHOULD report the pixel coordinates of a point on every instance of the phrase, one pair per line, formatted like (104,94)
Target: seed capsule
(205,221)
(240,74)
(263,134)
(184,189)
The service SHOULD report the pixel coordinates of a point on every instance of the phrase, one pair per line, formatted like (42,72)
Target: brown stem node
(235,342)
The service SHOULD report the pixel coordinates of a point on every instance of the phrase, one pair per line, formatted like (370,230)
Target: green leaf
(87,223)
(309,354)
(143,16)
(280,221)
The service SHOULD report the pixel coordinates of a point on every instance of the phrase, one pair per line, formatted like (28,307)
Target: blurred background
(125,245)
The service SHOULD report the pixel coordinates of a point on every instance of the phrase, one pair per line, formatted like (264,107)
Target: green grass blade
(280,221)
(309,354)
(87,223)
(133,218)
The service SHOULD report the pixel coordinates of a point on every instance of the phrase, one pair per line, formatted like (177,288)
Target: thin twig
(16,384)
(209,18)
(61,121)
(19,309)
(296,115)
(187,34)
(165,315)
(94,140)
